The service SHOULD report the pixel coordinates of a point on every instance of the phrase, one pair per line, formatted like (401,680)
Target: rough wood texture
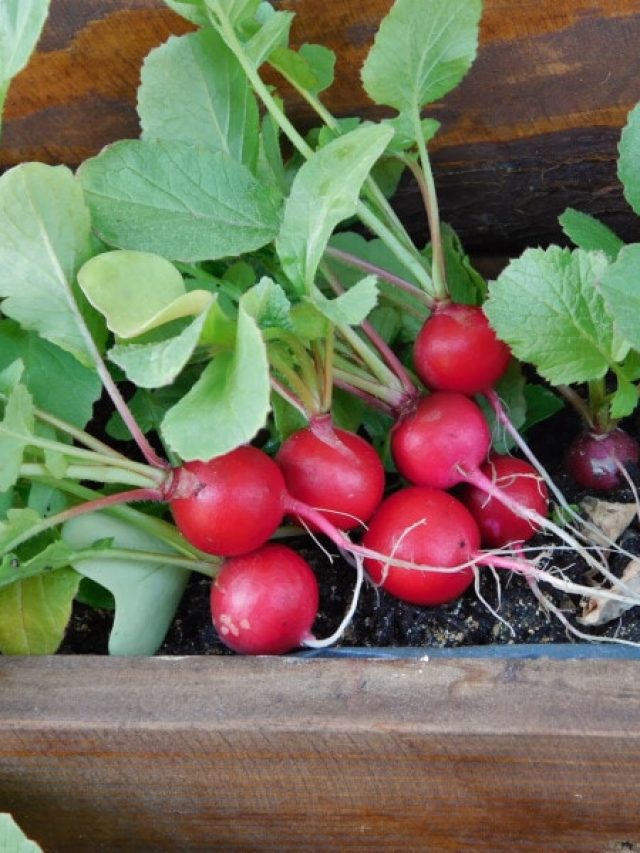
(286,755)
(533,128)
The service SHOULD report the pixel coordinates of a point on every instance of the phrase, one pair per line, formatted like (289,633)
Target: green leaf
(21,22)
(228,404)
(324,192)
(44,239)
(510,388)
(13,839)
(54,556)
(466,285)
(34,613)
(157,364)
(237,11)
(149,407)
(15,525)
(422,50)
(542,403)
(146,593)
(138,291)
(16,432)
(194,90)
(547,306)
(351,307)
(625,399)
(193,10)
(311,68)
(272,35)
(58,382)
(184,202)
(629,159)
(268,304)
(620,286)
(588,233)
(405,134)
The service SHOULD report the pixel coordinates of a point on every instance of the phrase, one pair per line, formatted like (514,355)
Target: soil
(382,621)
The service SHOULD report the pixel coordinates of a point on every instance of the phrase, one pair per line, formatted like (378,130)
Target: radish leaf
(621,291)
(228,404)
(44,239)
(589,233)
(194,90)
(34,613)
(629,159)
(156,364)
(138,291)
(146,593)
(324,192)
(422,50)
(547,306)
(178,200)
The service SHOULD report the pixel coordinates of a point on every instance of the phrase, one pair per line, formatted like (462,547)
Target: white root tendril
(312,642)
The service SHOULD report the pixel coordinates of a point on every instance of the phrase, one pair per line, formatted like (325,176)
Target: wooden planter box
(434,752)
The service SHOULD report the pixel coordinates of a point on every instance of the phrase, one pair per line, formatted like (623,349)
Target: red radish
(333,470)
(265,602)
(521,482)
(594,459)
(443,437)
(231,504)
(457,350)
(427,527)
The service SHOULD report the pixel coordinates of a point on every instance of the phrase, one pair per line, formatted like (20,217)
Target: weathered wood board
(532,129)
(319,755)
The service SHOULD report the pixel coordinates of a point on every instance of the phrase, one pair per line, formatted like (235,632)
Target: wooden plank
(289,755)
(532,129)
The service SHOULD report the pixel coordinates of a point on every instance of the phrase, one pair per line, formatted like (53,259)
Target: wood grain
(289,755)
(533,128)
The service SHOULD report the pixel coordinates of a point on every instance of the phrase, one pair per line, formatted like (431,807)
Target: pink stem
(287,395)
(369,399)
(353,261)
(125,413)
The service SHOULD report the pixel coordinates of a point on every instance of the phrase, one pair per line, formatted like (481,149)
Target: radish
(229,505)
(595,459)
(333,470)
(440,440)
(265,602)
(457,350)
(519,480)
(430,528)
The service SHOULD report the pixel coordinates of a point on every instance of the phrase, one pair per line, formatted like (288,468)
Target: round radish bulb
(594,458)
(519,481)
(427,527)
(231,504)
(265,602)
(335,471)
(457,350)
(444,436)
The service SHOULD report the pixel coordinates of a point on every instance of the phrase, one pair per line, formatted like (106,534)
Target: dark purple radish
(231,504)
(334,471)
(427,527)
(457,350)
(445,436)
(520,481)
(265,602)
(595,459)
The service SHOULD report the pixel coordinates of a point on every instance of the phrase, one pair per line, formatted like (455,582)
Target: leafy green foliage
(324,192)
(21,22)
(422,50)
(351,307)
(146,592)
(13,839)
(58,382)
(310,68)
(620,286)
(629,158)
(34,613)
(589,233)
(194,90)
(44,239)
(178,200)
(16,430)
(547,307)
(228,404)
(138,291)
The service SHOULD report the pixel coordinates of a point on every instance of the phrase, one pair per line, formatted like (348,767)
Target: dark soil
(382,621)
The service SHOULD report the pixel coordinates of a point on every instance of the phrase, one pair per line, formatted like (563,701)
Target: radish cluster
(421,543)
